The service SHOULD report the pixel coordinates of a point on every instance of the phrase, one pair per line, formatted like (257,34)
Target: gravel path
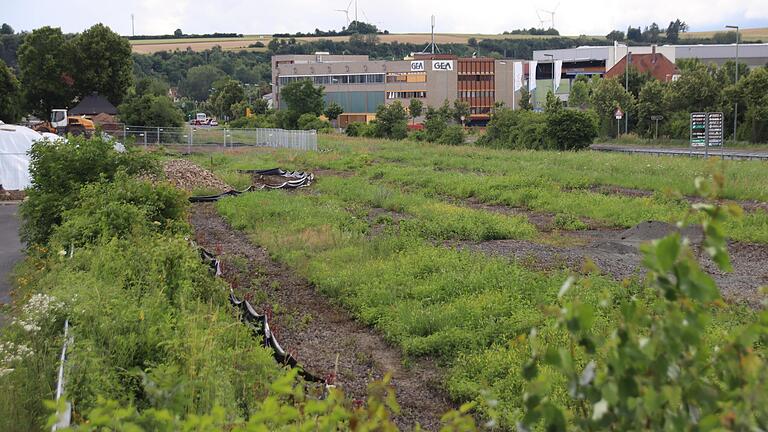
(615,252)
(315,331)
(10,248)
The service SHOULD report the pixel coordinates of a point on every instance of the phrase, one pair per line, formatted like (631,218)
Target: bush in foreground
(59,169)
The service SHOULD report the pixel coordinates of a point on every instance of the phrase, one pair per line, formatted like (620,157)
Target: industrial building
(360,85)
(599,59)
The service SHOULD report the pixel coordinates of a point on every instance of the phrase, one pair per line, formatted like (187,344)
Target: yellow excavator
(63,124)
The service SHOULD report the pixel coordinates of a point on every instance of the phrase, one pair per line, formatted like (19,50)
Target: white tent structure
(15,143)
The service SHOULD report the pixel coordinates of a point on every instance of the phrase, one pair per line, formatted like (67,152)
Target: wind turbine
(552,13)
(541,21)
(346,11)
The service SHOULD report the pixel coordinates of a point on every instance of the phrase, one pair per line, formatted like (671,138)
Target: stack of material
(186,175)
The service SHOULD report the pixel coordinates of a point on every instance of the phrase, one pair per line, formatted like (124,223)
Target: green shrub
(391,121)
(117,209)
(310,121)
(658,368)
(360,129)
(453,135)
(60,169)
(434,126)
(516,129)
(418,135)
(254,122)
(570,129)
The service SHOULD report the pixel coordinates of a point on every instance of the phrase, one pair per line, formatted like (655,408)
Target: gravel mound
(188,176)
(652,230)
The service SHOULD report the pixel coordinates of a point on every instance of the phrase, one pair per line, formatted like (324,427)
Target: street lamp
(736,102)
(626,84)
(552,58)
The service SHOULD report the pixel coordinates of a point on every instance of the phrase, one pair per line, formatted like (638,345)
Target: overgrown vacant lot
(406,236)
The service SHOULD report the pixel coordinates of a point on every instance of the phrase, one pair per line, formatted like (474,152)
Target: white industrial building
(753,55)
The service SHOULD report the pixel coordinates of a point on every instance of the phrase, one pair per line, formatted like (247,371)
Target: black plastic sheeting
(294,180)
(258,322)
(212,198)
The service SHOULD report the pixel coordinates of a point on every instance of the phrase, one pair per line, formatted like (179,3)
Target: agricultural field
(149,46)
(453,254)
(747,35)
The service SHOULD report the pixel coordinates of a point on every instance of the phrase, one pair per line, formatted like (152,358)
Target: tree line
(700,87)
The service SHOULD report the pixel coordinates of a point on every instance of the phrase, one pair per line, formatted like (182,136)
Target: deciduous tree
(9,95)
(43,71)
(101,62)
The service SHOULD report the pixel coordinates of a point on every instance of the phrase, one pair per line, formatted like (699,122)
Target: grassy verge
(469,312)
(155,343)
(542,181)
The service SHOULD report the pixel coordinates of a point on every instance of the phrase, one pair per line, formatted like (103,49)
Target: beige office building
(361,85)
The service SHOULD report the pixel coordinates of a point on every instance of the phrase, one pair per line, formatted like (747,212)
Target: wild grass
(470,312)
(550,182)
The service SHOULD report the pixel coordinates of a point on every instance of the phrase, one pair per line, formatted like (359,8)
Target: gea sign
(442,65)
(417,66)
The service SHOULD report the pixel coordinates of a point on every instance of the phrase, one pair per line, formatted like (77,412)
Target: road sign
(656,118)
(698,129)
(715,129)
(618,114)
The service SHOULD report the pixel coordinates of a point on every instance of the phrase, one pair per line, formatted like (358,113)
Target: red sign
(619,113)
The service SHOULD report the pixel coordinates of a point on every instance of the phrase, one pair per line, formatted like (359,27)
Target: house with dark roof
(92,105)
(656,64)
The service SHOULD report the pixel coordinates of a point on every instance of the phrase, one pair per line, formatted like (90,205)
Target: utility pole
(736,82)
(133,29)
(626,86)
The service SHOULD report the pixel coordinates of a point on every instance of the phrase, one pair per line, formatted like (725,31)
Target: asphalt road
(10,247)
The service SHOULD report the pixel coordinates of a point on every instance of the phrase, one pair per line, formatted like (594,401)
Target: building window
(406,94)
(335,79)
(402,77)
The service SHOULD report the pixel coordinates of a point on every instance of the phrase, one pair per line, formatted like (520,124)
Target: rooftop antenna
(346,11)
(432,45)
(133,29)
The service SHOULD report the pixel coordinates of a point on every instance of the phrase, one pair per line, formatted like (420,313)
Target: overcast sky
(399,16)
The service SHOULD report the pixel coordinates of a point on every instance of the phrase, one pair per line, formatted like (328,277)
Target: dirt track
(316,331)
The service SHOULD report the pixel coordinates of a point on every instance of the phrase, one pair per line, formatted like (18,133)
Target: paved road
(10,247)
(670,151)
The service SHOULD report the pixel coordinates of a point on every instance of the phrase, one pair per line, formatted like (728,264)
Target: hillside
(149,46)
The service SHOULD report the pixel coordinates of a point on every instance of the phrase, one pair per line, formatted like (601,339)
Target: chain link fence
(195,138)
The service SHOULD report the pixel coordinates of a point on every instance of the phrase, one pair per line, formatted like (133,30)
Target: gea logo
(442,65)
(417,66)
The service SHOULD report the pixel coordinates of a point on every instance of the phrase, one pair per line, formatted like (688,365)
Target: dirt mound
(652,230)
(11,195)
(188,176)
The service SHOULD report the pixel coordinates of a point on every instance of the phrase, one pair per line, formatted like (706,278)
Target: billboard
(517,72)
(442,65)
(532,75)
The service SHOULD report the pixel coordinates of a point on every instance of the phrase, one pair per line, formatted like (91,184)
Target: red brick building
(655,63)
